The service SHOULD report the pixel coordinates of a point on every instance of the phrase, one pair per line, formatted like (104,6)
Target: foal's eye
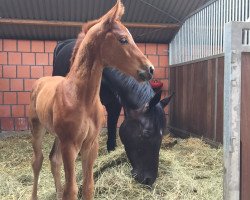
(123,41)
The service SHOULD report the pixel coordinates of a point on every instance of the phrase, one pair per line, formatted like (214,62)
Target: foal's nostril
(151,70)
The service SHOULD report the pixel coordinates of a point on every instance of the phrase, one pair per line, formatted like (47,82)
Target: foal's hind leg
(37,132)
(56,163)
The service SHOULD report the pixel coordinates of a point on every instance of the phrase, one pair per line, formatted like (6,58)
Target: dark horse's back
(61,61)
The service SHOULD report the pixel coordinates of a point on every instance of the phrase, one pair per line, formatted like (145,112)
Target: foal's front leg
(69,154)
(89,155)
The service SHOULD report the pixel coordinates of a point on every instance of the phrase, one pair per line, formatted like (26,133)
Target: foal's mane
(131,92)
(79,39)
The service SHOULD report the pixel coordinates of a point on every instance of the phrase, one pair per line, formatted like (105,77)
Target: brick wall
(24,61)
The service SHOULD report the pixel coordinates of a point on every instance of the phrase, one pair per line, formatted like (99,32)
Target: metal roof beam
(79,24)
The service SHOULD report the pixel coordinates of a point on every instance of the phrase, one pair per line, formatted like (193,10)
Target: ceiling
(148,20)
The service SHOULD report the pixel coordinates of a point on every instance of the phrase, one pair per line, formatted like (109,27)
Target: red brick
(1,71)
(9,45)
(151,49)
(9,71)
(4,111)
(28,83)
(3,58)
(167,72)
(9,98)
(28,58)
(163,61)
(154,60)
(142,47)
(21,124)
(160,72)
(165,84)
(14,58)
(50,46)
(4,85)
(23,71)
(51,57)
(162,49)
(1,98)
(23,45)
(18,111)
(1,45)
(7,124)
(16,84)
(27,110)
(36,71)
(23,97)
(42,59)
(47,71)
(37,46)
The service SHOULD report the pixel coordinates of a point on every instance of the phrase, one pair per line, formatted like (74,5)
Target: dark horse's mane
(131,92)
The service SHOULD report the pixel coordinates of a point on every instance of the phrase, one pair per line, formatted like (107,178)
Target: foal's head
(114,45)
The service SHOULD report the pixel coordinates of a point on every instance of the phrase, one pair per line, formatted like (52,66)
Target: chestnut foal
(70,107)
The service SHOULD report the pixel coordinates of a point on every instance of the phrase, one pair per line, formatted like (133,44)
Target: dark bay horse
(70,107)
(141,131)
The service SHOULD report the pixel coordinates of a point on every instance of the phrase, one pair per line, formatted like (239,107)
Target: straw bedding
(188,170)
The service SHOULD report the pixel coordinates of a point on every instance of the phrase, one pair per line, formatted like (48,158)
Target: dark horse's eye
(146,133)
(123,41)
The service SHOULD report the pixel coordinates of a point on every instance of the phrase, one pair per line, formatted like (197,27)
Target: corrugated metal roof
(138,11)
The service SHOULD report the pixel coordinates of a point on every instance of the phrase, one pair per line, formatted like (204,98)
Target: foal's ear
(114,13)
(165,101)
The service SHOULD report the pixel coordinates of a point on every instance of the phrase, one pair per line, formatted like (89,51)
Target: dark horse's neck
(132,93)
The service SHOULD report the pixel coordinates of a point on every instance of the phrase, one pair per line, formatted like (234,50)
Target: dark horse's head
(141,133)
(145,122)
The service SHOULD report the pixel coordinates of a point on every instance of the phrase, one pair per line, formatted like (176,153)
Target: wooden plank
(211,65)
(245,126)
(220,101)
(79,24)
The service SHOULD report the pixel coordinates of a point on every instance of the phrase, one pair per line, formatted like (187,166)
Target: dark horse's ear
(155,100)
(147,106)
(165,101)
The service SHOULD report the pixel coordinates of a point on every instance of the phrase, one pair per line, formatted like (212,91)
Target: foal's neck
(85,74)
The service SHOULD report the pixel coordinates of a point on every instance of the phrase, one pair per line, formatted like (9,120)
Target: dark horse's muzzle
(142,178)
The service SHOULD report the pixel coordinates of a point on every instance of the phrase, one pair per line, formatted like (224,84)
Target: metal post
(232,91)
(232,97)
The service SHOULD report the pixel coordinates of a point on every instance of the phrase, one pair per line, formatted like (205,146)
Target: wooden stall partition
(197,108)
(245,127)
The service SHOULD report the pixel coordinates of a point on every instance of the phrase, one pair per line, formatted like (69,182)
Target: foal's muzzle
(146,75)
